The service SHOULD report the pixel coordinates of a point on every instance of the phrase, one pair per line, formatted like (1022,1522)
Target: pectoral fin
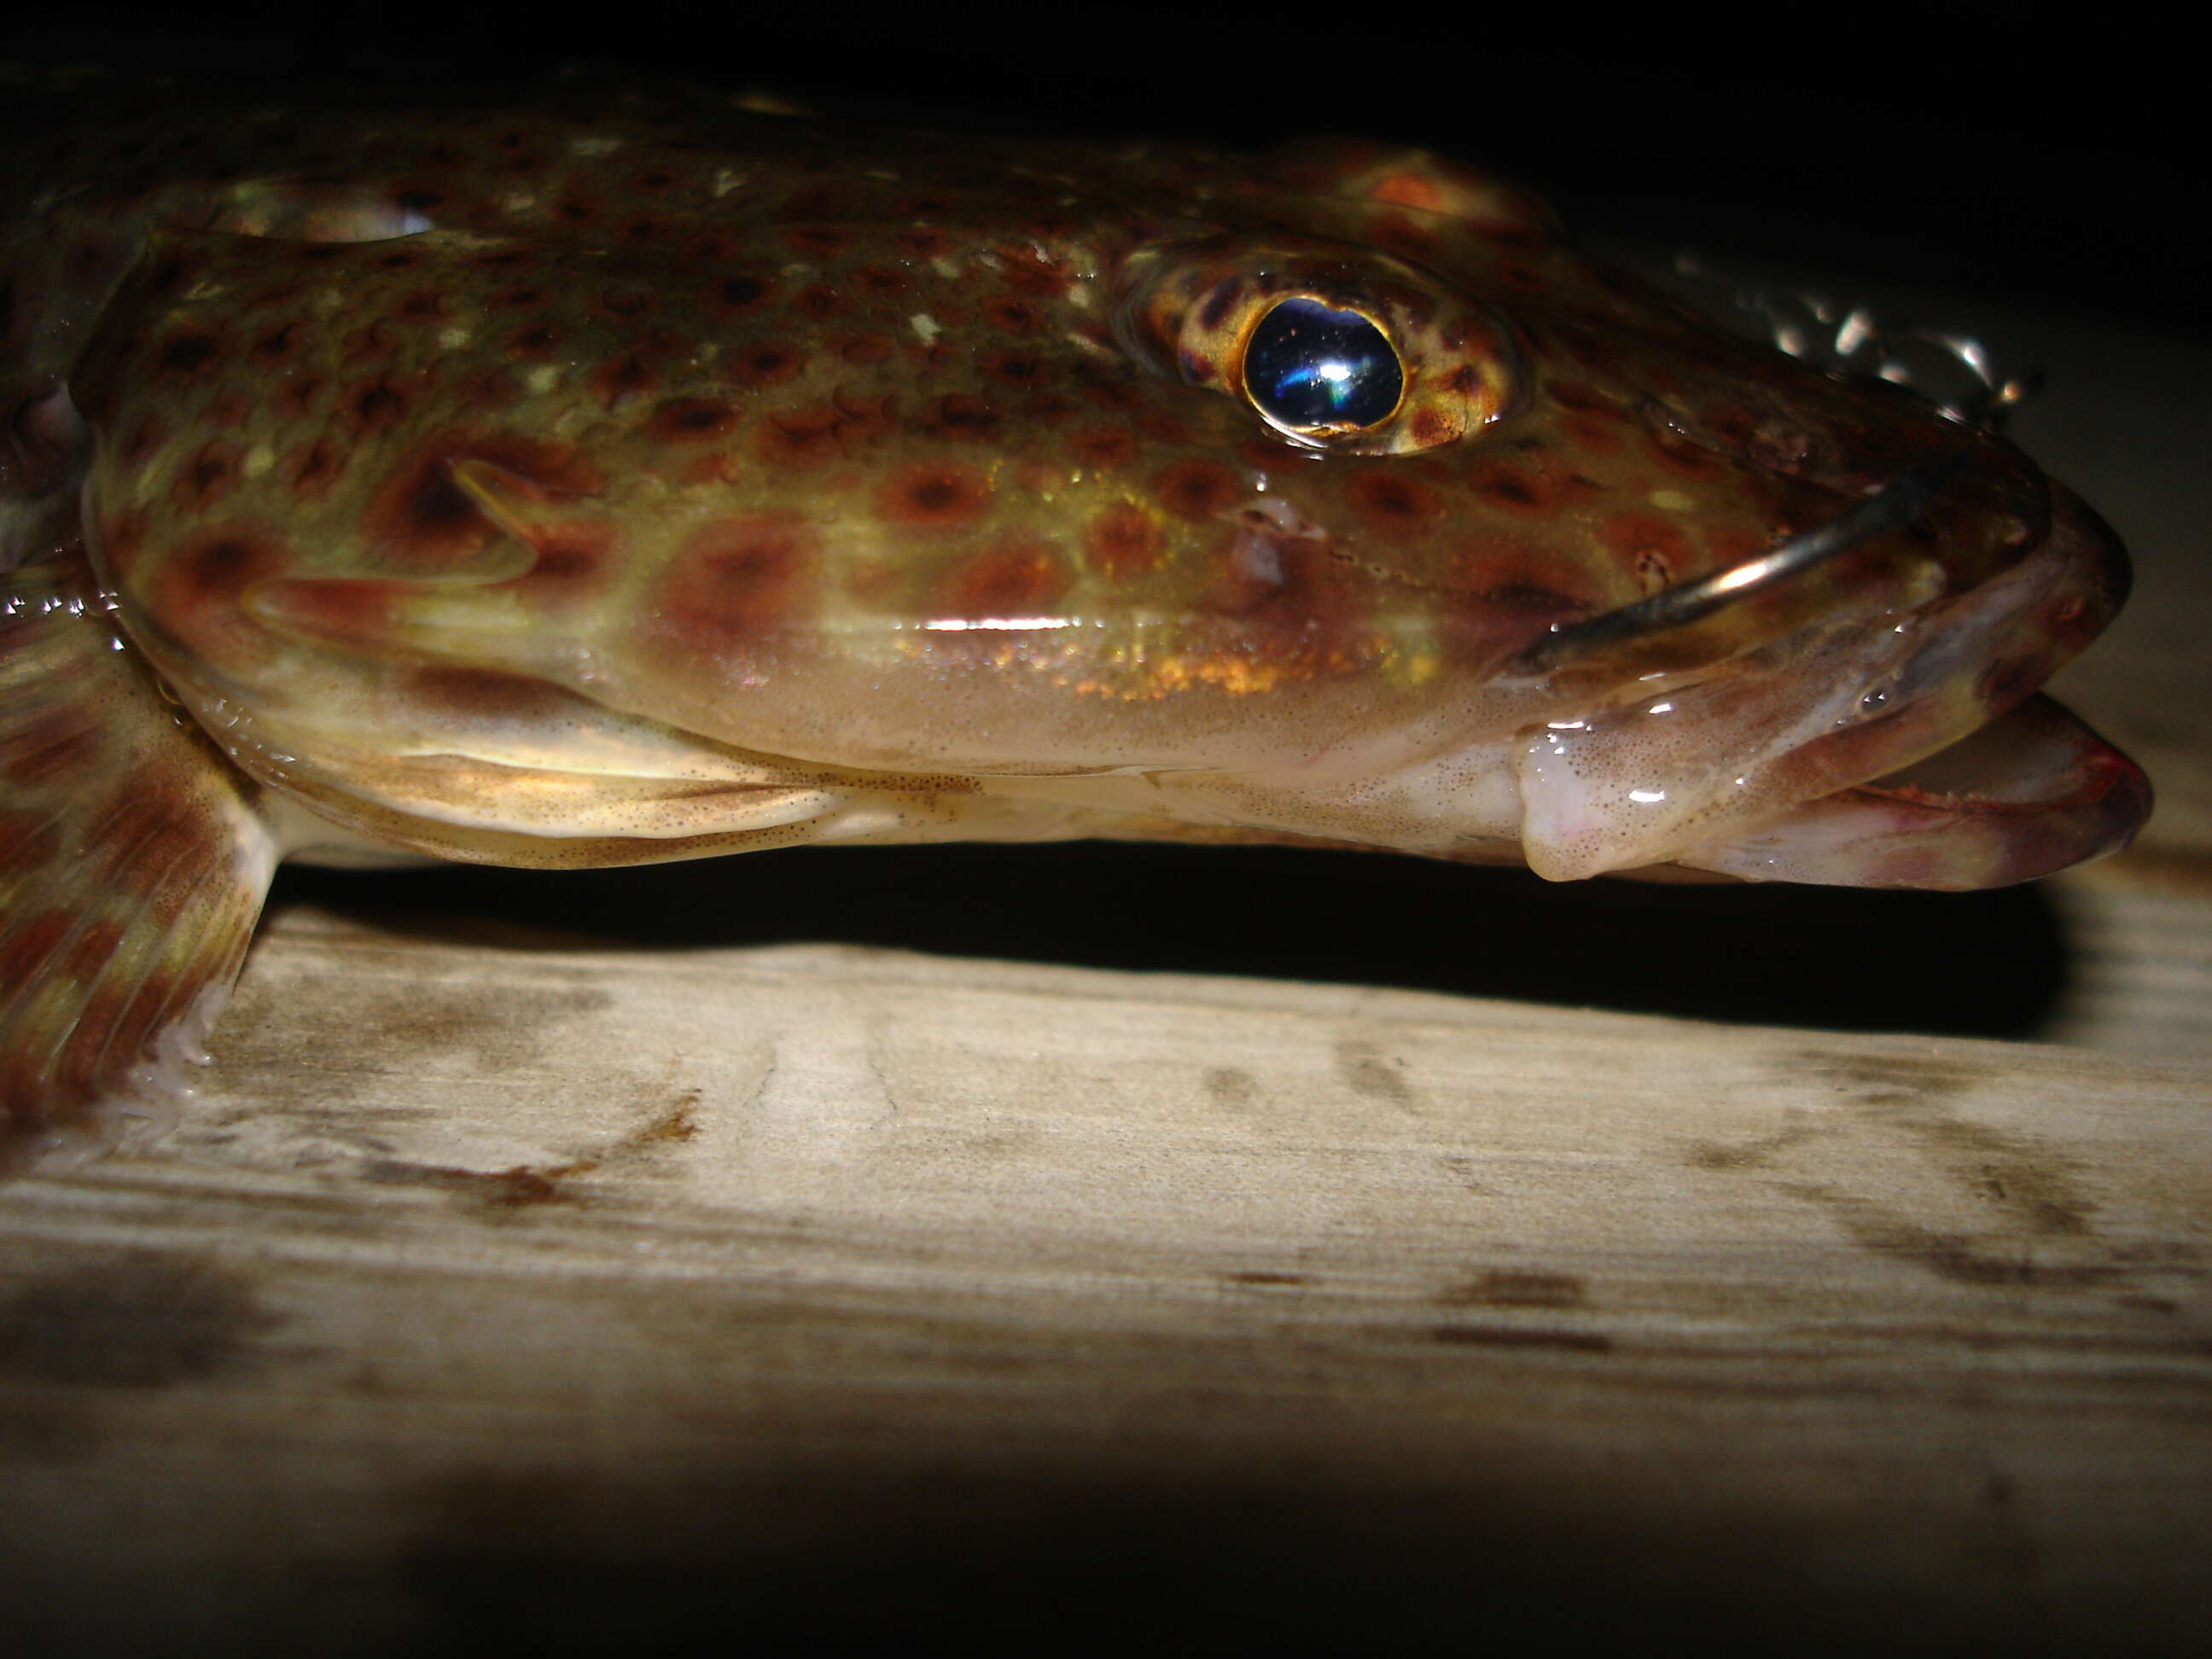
(132,867)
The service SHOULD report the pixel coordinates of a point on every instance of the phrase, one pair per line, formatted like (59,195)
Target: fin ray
(133,863)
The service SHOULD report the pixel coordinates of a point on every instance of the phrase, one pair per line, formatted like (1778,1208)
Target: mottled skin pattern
(615,481)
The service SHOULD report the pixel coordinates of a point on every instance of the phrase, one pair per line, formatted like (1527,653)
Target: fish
(601,478)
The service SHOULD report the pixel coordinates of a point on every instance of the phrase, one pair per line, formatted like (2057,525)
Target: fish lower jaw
(2032,792)
(2029,792)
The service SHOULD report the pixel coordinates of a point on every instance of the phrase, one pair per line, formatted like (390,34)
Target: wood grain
(500,1288)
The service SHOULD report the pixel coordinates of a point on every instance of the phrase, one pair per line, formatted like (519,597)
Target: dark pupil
(1308,366)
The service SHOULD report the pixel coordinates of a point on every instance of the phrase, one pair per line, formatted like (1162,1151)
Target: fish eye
(1313,370)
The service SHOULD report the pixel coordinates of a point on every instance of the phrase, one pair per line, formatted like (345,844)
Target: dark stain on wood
(1952,1255)
(136,1321)
(1754,1154)
(1505,1287)
(364,1026)
(2031,1184)
(524,1186)
(1227,1085)
(1520,1336)
(1367,1073)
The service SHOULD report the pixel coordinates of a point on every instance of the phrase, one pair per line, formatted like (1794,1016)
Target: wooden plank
(827,1289)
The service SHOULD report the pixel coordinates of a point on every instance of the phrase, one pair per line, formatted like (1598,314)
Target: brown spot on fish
(423,305)
(623,305)
(1511,488)
(1032,274)
(1590,434)
(737,581)
(535,341)
(1392,501)
(207,477)
(810,435)
(485,694)
(923,242)
(932,497)
(1502,591)
(630,375)
(1016,368)
(690,420)
(122,537)
(1733,545)
(312,468)
(1655,548)
(1013,316)
(578,210)
(1122,541)
(361,613)
(865,351)
(486,388)
(278,345)
(147,434)
(881,282)
(374,406)
(738,292)
(188,351)
(1018,579)
(818,240)
(574,562)
(198,588)
(1680,456)
(421,511)
(297,395)
(767,363)
(1196,489)
(968,419)
(1103,446)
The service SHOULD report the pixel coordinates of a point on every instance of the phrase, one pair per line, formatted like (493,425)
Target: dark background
(1999,150)
(2052,155)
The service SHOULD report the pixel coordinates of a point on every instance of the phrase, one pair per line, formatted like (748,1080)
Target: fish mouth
(1897,741)
(2033,792)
